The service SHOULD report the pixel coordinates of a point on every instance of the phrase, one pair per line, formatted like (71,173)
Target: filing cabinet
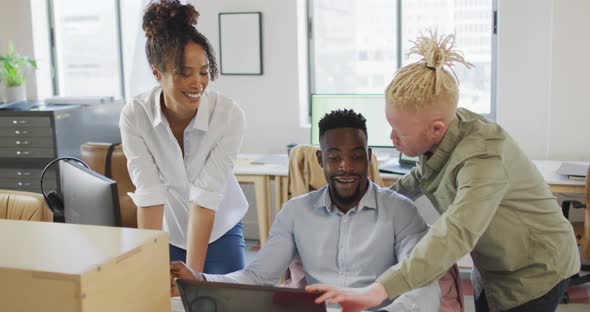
(33,134)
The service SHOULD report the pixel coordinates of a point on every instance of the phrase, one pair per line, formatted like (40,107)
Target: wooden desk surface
(65,248)
(557,183)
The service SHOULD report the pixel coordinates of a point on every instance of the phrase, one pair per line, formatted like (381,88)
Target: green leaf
(13,67)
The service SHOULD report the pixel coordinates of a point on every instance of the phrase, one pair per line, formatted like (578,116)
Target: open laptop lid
(220,297)
(407,160)
(402,165)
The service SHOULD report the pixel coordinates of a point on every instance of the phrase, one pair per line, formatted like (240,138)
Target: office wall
(541,100)
(271,101)
(570,98)
(542,70)
(16,26)
(541,73)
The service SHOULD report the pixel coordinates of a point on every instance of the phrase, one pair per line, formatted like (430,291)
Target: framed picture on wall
(240,43)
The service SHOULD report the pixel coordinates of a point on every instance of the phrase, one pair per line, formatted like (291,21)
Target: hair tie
(430,67)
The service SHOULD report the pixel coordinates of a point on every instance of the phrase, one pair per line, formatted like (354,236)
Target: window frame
(53,48)
(399,54)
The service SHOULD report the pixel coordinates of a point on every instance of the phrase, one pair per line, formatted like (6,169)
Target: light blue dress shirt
(345,250)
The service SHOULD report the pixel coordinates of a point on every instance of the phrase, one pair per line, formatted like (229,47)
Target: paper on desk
(176,305)
(573,169)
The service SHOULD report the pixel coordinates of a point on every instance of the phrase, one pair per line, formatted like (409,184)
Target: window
(86,48)
(356,46)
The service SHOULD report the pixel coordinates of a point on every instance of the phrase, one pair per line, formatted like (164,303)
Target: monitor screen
(89,198)
(371,106)
(403,158)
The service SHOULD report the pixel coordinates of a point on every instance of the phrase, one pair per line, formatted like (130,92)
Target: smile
(346,179)
(194,96)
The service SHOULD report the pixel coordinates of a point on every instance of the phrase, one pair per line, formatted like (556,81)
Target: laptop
(402,165)
(200,296)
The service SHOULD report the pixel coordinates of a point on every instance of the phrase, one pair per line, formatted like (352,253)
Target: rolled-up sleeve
(207,189)
(149,190)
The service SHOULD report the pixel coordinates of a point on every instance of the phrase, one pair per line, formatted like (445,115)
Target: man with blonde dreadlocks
(493,201)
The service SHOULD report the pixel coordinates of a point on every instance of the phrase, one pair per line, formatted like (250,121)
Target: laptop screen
(216,297)
(405,159)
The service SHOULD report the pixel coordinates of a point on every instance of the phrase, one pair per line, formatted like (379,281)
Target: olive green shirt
(495,204)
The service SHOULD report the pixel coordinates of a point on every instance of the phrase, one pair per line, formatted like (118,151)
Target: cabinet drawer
(26,132)
(28,185)
(26,142)
(27,173)
(27,152)
(15,121)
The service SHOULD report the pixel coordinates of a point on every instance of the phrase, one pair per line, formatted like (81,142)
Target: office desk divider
(81,268)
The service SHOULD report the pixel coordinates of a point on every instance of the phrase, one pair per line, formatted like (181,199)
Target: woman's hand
(180,270)
(350,299)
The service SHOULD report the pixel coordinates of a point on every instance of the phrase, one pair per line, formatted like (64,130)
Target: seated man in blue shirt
(347,233)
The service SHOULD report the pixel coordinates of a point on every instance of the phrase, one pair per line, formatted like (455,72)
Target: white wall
(16,26)
(271,101)
(542,52)
(570,83)
(542,72)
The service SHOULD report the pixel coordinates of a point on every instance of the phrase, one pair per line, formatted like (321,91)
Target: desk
(262,175)
(79,268)
(559,183)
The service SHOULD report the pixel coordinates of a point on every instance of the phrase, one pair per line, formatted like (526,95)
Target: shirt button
(345,219)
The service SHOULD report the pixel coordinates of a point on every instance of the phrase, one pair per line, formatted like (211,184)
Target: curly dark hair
(342,118)
(169,26)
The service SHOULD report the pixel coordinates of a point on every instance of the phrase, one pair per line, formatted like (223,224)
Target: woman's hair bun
(166,16)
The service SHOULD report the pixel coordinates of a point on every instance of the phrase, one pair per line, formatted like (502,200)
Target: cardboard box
(65,267)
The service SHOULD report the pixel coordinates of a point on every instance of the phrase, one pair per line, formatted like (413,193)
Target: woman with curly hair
(181,141)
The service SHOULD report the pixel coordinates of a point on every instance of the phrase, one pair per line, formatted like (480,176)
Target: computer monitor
(89,198)
(371,106)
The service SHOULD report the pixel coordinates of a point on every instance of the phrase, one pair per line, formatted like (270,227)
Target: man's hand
(350,299)
(180,270)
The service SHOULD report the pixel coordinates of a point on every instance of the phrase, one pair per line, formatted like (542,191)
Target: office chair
(109,160)
(27,206)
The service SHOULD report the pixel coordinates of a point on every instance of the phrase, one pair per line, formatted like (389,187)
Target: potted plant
(13,68)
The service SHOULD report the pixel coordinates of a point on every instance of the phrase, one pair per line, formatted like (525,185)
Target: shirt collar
(368,200)
(444,150)
(157,118)
(201,120)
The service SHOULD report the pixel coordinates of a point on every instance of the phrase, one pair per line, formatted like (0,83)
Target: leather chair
(27,206)
(95,155)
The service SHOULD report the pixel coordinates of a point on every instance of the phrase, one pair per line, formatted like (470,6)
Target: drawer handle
(23,142)
(24,183)
(23,173)
(24,152)
(19,122)
(21,132)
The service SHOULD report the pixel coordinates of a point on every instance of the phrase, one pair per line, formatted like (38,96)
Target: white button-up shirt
(204,175)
